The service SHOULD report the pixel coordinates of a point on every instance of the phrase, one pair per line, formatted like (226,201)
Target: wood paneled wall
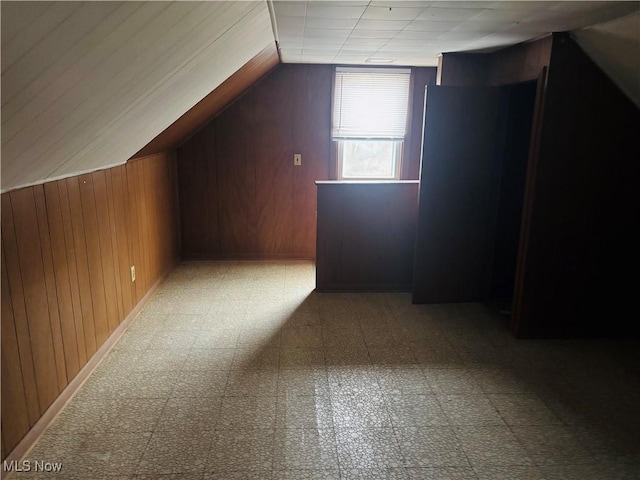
(240,194)
(67,249)
(581,207)
(519,63)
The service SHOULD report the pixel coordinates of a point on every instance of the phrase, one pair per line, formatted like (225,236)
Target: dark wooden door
(459,191)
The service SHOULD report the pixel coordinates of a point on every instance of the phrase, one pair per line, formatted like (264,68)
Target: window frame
(337,147)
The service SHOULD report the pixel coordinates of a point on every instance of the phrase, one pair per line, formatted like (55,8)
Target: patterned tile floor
(238,370)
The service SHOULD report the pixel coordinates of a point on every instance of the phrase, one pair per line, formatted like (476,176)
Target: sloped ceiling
(85,85)
(615,47)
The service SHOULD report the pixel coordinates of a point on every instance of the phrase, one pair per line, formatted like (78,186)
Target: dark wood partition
(366,234)
(579,254)
(457,205)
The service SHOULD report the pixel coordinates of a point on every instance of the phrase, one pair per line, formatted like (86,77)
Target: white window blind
(370,103)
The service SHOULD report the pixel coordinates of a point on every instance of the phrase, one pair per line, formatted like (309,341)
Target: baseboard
(34,434)
(241,257)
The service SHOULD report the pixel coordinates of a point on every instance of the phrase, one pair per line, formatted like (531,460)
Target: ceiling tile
(396,25)
(416,34)
(285,20)
(331,23)
(331,10)
(365,42)
(290,31)
(433,14)
(481,5)
(291,9)
(424,26)
(391,13)
(501,15)
(326,34)
(482,27)
(399,4)
(373,34)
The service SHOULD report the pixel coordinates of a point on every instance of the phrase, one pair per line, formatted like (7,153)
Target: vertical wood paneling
(19,311)
(15,417)
(35,295)
(66,251)
(272,154)
(72,267)
(50,283)
(135,240)
(94,257)
(310,139)
(82,261)
(236,182)
(106,249)
(113,236)
(122,232)
(63,285)
(256,204)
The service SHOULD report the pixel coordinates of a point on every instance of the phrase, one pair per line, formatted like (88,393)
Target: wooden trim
(30,439)
(364,288)
(529,199)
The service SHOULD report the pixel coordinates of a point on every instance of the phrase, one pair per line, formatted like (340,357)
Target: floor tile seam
(529,394)
(456,429)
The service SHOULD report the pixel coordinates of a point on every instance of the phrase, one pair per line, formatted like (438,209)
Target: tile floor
(239,370)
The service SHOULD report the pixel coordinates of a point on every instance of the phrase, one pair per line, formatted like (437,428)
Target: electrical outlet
(297,159)
(133,273)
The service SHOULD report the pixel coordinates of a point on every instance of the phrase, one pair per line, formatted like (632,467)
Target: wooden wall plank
(311,140)
(270,148)
(143,273)
(135,240)
(15,416)
(255,204)
(122,233)
(106,248)
(94,257)
(113,235)
(50,283)
(198,180)
(63,284)
(72,268)
(82,263)
(33,280)
(236,182)
(19,310)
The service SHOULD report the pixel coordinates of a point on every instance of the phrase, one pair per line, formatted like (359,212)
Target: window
(369,119)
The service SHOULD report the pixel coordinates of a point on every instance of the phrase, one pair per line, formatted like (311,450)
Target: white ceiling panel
(115,75)
(391,13)
(400,27)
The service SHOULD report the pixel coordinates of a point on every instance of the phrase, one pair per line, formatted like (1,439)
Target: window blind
(370,103)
